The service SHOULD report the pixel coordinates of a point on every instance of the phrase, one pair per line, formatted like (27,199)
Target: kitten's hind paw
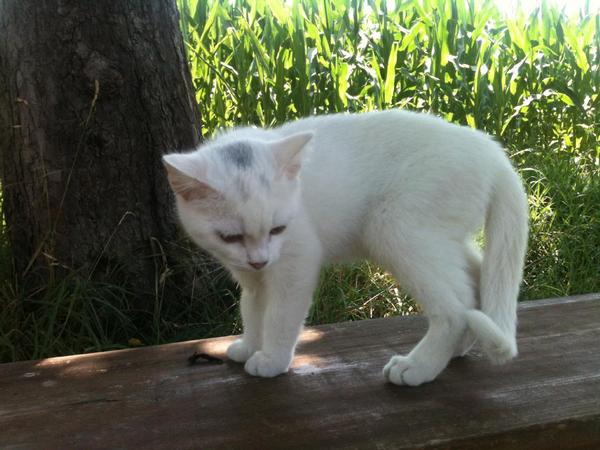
(264,365)
(238,351)
(404,370)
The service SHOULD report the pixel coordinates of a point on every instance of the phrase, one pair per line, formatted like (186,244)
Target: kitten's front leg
(252,308)
(289,288)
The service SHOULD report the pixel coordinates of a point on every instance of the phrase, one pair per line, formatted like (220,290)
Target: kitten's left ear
(290,153)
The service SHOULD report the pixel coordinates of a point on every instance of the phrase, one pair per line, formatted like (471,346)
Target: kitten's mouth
(257,270)
(247,268)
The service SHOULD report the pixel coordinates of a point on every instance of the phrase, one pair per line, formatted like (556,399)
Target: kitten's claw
(404,370)
(264,365)
(238,351)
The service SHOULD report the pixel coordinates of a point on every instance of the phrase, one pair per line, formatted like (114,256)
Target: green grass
(75,315)
(530,80)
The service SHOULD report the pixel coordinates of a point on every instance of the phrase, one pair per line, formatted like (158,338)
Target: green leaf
(517,34)
(574,41)
(342,81)
(390,75)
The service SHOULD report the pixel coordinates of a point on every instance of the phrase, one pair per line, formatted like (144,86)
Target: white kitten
(405,190)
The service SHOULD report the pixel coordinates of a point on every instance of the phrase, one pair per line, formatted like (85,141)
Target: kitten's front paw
(404,370)
(264,365)
(238,351)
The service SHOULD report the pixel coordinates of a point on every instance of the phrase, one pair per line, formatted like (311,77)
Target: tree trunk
(91,94)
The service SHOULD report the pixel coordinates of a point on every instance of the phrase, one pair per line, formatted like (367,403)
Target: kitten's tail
(506,231)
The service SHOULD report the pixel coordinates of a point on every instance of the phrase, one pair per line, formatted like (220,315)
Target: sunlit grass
(262,62)
(531,79)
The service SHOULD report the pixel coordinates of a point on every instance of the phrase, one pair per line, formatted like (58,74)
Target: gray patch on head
(239,154)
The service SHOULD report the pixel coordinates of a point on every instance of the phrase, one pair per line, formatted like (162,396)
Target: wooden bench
(333,397)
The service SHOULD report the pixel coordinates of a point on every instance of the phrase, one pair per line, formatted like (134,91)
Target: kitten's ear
(290,153)
(188,187)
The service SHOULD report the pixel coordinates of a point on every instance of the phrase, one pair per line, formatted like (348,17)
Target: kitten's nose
(258,265)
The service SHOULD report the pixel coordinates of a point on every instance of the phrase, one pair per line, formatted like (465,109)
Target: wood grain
(334,396)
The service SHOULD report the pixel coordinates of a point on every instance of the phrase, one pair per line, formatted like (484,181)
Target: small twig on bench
(206,357)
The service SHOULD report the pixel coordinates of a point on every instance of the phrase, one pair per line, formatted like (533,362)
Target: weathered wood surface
(334,396)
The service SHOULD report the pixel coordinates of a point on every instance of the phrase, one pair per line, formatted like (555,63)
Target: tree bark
(91,94)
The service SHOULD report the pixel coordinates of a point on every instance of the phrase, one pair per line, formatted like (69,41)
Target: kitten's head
(236,197)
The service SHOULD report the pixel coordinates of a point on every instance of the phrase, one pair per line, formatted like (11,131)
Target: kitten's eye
(277,230)
(231,238)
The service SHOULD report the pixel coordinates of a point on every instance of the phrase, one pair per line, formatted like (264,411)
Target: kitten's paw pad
(263,365)
(403,370)
(238,351)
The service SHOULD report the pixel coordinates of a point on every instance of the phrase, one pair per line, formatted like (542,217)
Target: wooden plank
(334,396)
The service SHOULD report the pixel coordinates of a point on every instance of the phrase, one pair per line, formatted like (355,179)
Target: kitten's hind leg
(433,269)
(474,258)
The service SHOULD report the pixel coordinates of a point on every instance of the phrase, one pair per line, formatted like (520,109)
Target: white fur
(405,190)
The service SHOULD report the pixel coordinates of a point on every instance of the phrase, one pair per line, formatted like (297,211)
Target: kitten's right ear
(290,153)
(184,185)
